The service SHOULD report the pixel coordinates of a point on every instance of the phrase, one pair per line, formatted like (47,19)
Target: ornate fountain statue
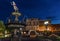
(16,12)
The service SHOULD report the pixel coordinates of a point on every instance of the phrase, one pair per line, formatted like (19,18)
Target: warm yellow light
(7,35)
(24,32)
(46,22)
(48,29)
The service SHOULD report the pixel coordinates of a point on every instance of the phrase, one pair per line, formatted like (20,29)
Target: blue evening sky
(32,8)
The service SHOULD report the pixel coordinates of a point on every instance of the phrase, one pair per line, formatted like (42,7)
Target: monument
(16,25)
(16,12)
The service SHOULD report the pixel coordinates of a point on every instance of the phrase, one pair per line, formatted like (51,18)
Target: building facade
(32,24)
(36,24)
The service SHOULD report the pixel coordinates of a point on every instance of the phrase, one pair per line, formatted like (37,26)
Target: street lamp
(46,24)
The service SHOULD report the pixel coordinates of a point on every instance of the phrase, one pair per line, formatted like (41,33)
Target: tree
(2,29)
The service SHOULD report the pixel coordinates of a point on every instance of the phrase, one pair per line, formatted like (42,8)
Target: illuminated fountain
(15,26)
(16,12)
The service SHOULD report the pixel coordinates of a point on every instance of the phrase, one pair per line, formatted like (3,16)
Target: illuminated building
(32,24)
(41,25)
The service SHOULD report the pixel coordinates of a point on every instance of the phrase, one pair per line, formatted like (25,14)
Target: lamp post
(46,24)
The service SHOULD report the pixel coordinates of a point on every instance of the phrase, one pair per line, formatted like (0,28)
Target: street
(26,39)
